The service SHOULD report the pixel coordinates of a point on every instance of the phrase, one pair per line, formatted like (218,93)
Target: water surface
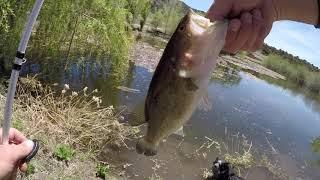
(280,122)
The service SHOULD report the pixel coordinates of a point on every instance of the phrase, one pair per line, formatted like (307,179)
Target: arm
(305,11)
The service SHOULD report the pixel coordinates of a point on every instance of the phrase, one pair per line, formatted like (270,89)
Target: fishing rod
(19,60)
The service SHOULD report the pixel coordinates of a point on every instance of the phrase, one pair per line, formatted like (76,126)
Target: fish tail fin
(146,148)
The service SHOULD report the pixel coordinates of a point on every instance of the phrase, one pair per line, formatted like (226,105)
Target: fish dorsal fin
(205,103)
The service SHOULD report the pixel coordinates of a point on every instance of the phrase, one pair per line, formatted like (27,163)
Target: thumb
(219,10)
(22,150)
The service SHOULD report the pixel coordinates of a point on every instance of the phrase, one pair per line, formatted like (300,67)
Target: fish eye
(181,28)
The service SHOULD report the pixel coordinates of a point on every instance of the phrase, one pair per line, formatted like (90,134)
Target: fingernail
(30,144)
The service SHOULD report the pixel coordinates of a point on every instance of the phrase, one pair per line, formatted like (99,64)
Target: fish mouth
(198,24)
(206,39)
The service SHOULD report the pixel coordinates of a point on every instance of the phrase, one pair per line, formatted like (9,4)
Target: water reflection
(226,75)
(310,99)
(315,145)
(262,110)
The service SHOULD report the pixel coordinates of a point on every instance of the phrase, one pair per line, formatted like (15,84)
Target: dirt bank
(147,56)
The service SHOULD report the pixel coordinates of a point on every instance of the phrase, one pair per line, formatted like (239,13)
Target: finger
(256,26)
(16,136)
(23,167)
(264,31)
(219,10)
(233,29)
(266,26)
(22,150)
(244,33)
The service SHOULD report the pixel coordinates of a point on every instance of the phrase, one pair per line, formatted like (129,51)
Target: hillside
(156,4)
(267,50)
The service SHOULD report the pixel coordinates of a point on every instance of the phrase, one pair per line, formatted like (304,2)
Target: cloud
(296,38)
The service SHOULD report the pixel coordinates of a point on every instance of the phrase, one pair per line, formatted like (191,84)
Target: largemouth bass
(181,78)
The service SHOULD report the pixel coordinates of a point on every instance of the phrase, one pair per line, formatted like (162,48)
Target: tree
(77,28)
(5,12)
(172,13)
(139,11)
(144,13)
(157,19)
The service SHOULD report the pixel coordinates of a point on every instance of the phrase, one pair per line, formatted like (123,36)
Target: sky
(296,38)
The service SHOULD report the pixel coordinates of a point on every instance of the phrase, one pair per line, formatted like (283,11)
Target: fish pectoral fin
(190,85)
(205,103)
(180,132)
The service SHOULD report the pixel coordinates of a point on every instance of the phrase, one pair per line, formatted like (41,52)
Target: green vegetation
(31,169)
(140,10)
(66,30)
(242,54)
(64,152)
(66,122)
(227,75)
(315,146)
(5,12)
(268,50)
(241,154)
(295,72)
(17,123)
(102,170)
(167,16)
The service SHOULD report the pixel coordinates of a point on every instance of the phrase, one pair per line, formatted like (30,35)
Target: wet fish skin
(180,81)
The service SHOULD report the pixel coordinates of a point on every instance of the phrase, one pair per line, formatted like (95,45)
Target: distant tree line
(267,50)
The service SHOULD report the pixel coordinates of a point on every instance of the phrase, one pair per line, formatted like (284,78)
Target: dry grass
(273,167)
(76,119)
(73,118)
(239,152)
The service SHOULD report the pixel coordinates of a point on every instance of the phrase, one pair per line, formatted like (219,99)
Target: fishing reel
(223,171)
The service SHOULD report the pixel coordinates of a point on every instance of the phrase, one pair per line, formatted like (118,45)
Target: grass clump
(73,118)
(64,152)
(102,170)
(241,158)
(31,169)
(244,159)
(297,73)
(272,167)
(66,122)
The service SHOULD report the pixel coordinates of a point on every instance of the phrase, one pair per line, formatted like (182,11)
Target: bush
(297,73)
(68,28)
(63,152)
(31,169)
(73,118)
(102,170)
(313,82)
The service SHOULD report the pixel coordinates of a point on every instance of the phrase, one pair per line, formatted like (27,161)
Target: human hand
(10,155)
(250,21)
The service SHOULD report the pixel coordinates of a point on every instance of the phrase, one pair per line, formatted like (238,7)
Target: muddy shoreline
(145,55)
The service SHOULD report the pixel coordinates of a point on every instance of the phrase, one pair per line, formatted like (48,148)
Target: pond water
(281,123)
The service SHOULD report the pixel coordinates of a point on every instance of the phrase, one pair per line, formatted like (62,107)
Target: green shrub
(31,169)
(313,82)
(102,170)
(64,152)
(297,73)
